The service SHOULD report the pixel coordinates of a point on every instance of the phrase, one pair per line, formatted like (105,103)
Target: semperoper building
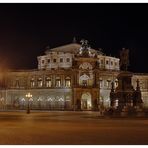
(69,77)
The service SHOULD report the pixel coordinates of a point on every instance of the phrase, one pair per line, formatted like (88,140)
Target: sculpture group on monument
(125,100)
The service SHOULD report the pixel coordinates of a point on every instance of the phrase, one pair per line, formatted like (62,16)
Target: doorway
(86,103)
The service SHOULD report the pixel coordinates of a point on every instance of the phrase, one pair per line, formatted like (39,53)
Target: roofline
(142,74)
(21,70)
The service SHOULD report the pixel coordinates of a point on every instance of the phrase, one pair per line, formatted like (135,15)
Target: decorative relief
(85,65)
(84,77)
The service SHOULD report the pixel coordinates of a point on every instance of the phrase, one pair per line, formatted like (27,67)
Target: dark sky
(26,29)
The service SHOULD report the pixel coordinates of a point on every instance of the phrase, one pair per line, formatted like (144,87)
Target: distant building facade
(69,77)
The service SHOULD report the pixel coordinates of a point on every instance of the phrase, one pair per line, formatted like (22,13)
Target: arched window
(108,83)
(40,82)
(32,82)
(58,82)
(49,99)
(116,103)
(39,100)
(67,82)
(48,82)
(116,82)
(84,80)
(100,82)
(17,83)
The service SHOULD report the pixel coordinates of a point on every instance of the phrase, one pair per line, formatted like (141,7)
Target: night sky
(26,29)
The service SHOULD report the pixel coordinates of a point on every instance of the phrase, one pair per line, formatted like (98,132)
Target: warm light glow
(39,99)
(58,83)
(1,99)
(23,100)
(48,82)
(40,82)
(50,99)
(116,103)
(28,95)
(61,99)
(67,83)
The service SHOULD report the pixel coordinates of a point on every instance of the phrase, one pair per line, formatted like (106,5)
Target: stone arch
(86,101)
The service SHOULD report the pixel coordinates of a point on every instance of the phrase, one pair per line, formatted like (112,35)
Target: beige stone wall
(143,81)
(105,79)
(69,52)
(18,83)
(41,99)
(55,60)
(108,62)
(15,84)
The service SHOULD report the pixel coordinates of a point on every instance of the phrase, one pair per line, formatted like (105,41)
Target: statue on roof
(84,50)
(124,59)
(84,43)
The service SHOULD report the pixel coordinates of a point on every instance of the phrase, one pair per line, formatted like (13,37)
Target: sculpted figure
(124,59)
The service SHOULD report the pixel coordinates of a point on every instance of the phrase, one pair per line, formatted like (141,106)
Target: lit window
(48,82)
(61,99)
(84,82)
(116,83)
(22,100)
(100,82)
(116,103)
(49,99)
(40,82)
(61,60)
(32,83)
(68,60)
(39,101)
(58,82)
(31,99)
(67,82)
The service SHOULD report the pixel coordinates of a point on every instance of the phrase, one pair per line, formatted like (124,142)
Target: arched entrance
(86,103)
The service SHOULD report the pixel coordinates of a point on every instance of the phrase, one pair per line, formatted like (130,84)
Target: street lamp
(28,95)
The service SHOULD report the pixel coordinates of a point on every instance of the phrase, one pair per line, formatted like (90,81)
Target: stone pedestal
(125,97)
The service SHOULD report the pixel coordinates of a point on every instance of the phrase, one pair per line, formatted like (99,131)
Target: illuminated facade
(69,77)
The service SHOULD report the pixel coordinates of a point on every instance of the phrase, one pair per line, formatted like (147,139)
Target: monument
(125,99)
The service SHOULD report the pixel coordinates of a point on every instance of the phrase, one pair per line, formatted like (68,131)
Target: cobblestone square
(50,128)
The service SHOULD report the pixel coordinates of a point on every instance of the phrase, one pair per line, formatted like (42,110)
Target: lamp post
(28,95)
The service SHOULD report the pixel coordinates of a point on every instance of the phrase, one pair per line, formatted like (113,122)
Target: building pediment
(69,48)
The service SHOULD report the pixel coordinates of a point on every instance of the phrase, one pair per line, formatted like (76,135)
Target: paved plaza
(70,128)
